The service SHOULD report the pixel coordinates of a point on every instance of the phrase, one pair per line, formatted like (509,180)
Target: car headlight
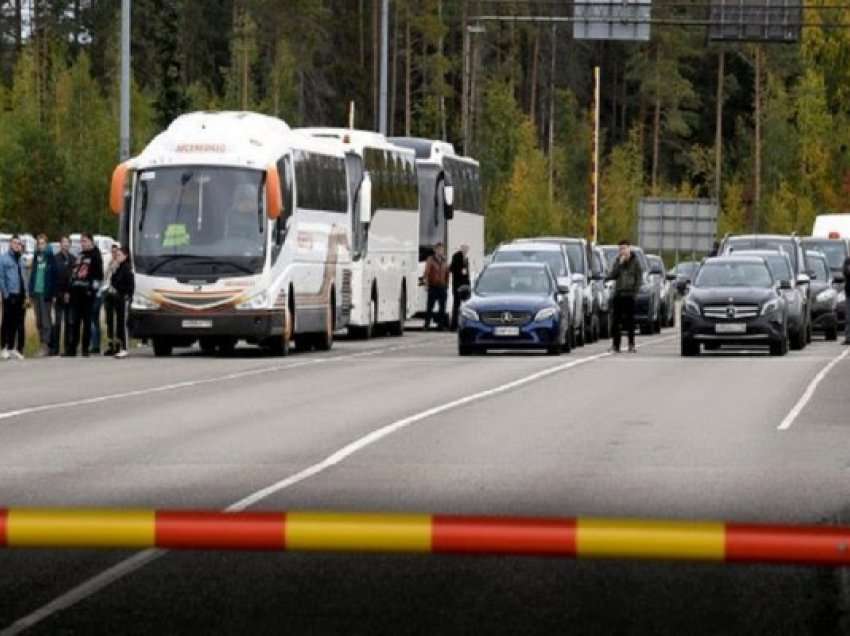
(469,313)
(771,306)
(825,296)
(140,301)
(692,308)
(257,301)
(842,297)
(547,313)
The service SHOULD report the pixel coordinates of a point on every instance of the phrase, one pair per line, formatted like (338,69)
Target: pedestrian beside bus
(459,269)
(99,300)
(14,293)
(63,265)
(116,301)
(627,275)
(86,279)
(437,282)
(41,291)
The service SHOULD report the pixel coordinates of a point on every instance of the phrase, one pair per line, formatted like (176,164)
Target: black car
(516,306)
(683,273)
(825,304)
(735,300)
(648,299)
(835,250)
(668,293)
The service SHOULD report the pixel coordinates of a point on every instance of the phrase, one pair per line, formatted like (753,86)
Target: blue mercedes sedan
(516,306)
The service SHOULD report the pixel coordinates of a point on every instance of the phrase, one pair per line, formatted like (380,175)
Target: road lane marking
(810,391)
(193,383)
(93,585)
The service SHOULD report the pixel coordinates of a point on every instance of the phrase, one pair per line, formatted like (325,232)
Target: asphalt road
(646,435)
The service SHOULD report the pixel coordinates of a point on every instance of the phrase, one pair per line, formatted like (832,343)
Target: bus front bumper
(245,325)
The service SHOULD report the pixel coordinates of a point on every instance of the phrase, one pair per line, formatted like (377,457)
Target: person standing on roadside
(121,288)
(437,281)
(14,293)
(846,270)
(86,279)
(64,262)
(100,299)
(627,275)
(41,291)
(459,269)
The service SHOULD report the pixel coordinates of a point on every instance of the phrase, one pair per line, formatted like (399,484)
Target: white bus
(239,229)
(451,207)
(385,249)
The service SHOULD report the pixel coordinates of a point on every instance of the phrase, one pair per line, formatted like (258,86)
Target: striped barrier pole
(440,534)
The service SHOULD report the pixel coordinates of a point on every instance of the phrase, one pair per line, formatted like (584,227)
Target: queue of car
(551,293)
(770,290)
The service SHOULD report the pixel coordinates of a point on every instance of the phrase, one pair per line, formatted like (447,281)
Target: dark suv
(735,300)
(835,250)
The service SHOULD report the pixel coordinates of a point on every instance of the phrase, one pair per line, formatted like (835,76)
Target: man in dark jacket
(627,275)
(86,279)
(846,269)
(42,288)
(14,294)
(117,297)
(437,281)
(459,269)
(64,262)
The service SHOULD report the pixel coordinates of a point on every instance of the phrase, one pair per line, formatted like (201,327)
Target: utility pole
(124,147)
(757,167)
(594,192)
(552,116)
(385,28)
(718,132)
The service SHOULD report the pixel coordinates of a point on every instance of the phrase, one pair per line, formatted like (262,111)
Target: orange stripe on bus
(3,516)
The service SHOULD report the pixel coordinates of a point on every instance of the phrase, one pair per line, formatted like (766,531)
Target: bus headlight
(140,301)
(257,301)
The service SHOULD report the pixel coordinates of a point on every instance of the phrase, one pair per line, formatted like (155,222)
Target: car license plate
(197,324)
(730,327)
(506,331)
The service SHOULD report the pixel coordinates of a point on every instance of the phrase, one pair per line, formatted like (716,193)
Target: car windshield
(199,220)
(576,257)
(835,251)
(655,262)
(779,266)
(819,268)
(514,280)
(734,274)
(761,243)
(553,258)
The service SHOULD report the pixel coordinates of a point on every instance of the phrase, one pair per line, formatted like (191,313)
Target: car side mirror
(785,285)
(838,280)
(365,211)
(578,278)
(563,289)
(682,285)
(803,279)
(597,277)
(671,277)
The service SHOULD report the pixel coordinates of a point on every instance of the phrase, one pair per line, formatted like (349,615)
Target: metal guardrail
(422,533)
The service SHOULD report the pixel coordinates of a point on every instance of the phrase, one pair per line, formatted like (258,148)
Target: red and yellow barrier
(370,532)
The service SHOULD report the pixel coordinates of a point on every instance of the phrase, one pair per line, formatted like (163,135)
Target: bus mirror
(274,198)
(365,200)
(118,188)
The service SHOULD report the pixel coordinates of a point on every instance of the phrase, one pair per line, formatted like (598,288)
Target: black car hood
(740,295)
(511,302)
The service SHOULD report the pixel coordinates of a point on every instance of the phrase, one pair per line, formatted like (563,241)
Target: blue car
(516,306)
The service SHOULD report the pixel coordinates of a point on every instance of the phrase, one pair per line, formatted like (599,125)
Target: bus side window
(284,171)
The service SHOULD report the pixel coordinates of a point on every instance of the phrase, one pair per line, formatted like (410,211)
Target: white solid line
(810,391)
(140,559)
(193,383)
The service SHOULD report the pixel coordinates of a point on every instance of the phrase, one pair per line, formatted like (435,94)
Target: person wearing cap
(459,269)
(436,279)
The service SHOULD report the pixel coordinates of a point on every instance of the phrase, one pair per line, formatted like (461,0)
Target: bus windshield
(193,220)
(432,220)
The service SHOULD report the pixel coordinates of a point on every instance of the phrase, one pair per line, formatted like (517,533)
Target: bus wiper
(236,266)
(170,258)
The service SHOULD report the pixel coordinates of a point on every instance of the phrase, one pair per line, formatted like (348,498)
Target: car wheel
(798,339)
(809,332)
(779,347)
(553,350)
(162,347)
(690,348)
(464,350)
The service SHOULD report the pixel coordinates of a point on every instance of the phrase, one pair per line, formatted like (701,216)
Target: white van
(832,226)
